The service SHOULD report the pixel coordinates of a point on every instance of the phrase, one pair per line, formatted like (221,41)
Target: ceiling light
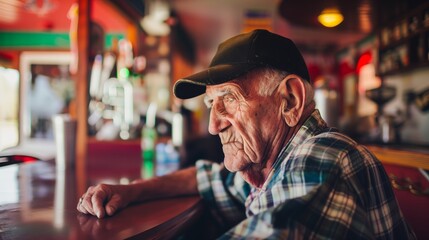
(154,22)
(154,27)
(330,17)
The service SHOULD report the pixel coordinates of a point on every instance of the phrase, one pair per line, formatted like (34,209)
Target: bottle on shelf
(148,142)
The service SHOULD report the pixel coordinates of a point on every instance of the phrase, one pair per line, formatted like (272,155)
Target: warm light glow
(154,22)
(330,17)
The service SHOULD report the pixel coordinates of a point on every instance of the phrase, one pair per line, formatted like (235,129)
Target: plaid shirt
(323,185)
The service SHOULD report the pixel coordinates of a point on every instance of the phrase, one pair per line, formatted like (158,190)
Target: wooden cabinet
(404,41)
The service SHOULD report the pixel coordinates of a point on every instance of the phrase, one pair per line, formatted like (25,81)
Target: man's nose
(217,122)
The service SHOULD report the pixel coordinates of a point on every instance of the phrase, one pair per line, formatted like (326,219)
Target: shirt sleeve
(224,192)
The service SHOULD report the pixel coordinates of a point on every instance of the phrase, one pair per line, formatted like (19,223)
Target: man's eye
(228,99)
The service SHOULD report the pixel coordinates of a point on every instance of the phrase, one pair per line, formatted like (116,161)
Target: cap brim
(195,84)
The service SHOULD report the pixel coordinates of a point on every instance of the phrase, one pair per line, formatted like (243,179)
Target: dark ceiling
(359,15)
(304,12)
(298,12)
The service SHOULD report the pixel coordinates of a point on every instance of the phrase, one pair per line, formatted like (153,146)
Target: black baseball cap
(240,54)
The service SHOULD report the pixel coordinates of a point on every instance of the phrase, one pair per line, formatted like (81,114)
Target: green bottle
(148,152)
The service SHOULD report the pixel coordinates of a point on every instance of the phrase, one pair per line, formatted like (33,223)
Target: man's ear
(292,91)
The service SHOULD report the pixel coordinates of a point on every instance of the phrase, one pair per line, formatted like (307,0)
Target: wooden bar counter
(39,202)
(408,170)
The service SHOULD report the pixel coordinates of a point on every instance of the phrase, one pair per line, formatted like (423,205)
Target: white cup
(65,140)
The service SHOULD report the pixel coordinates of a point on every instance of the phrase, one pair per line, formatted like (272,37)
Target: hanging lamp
(330,17)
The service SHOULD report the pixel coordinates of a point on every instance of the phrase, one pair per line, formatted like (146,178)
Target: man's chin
(231,169)
(239,168)
(252,177)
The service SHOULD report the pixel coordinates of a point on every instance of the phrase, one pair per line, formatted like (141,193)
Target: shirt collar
(311,127)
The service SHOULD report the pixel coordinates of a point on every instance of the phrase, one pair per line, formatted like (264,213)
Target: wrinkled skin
(105,200)
(252,128)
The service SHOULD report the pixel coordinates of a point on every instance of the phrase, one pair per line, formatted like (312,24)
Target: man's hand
(103,199)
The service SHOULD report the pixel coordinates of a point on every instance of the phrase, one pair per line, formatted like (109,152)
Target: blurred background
(109,65)
(105,62)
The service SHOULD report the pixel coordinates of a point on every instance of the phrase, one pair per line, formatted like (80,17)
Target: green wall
(45,40)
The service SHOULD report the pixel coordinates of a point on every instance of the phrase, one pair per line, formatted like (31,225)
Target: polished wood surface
(402,157)
(38,202)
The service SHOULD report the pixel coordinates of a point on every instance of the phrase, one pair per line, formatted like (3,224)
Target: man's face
(247,123)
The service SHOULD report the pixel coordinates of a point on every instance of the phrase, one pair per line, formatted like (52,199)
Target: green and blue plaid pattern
(323,186)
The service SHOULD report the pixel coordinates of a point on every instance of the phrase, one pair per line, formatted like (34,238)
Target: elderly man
(285,174)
